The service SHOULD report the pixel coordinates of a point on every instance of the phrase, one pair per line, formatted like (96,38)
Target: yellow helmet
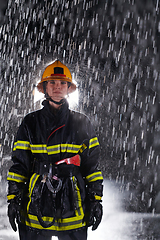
(56,71)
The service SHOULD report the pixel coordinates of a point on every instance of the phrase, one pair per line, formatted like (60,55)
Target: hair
(69,84)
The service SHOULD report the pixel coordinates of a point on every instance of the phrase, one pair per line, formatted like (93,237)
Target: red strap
(58,74)
(55,131)
(76,160)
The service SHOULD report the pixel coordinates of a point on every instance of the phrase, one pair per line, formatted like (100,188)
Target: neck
(54,105)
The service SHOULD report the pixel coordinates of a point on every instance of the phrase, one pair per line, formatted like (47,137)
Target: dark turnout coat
(43,139)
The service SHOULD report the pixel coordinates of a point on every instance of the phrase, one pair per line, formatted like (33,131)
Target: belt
(41,167)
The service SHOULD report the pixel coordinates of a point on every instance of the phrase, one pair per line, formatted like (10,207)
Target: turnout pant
(33,235)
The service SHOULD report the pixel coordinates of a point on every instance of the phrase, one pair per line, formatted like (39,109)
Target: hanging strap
(48,179)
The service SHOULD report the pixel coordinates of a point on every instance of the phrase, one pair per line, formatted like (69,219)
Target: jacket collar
(58,116)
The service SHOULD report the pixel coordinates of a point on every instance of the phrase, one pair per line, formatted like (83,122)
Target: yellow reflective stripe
(16,177)
(94,177)
(24,145)
(39,148)
(79,210)
(98,197)
(59,225)
(54,149)
(72,148)
(93,142)
(31,186)
(9,197)
(83,147)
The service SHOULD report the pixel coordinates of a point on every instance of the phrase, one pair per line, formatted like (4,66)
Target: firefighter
(54,185)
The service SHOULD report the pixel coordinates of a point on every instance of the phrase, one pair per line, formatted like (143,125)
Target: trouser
(25,234)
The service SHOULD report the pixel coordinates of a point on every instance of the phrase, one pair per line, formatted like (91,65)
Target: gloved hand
(96,212)
(13,214)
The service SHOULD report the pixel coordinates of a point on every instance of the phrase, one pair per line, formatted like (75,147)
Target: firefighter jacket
(43,139)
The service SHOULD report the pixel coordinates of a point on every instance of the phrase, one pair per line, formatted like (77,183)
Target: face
(57,89)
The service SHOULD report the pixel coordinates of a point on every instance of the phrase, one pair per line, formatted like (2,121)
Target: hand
(96,213)
(13,214)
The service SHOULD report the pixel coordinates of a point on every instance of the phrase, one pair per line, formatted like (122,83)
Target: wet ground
(116,224)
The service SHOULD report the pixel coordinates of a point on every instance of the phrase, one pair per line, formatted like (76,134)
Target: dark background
(112,49)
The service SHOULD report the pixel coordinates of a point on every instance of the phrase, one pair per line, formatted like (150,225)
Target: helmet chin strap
(58,103)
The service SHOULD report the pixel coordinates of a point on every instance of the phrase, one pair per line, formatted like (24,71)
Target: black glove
(96,212)
(93,204)
(13,214)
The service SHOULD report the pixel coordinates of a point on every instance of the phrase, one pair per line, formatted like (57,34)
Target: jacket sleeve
(90,161)
(22,160)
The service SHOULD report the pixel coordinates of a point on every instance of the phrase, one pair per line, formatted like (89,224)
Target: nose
(57,84)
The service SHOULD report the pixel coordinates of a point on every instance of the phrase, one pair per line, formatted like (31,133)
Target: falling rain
(112,49)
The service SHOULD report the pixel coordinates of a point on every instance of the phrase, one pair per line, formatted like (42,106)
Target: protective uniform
(54,180)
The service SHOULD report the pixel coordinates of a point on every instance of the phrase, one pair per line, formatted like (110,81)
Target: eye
(63,82)
(52,82)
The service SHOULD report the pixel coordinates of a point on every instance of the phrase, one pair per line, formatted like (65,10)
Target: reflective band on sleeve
(24,145)
(98,197)
(10,197)
(94,177)
(93,142)
(16,177)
